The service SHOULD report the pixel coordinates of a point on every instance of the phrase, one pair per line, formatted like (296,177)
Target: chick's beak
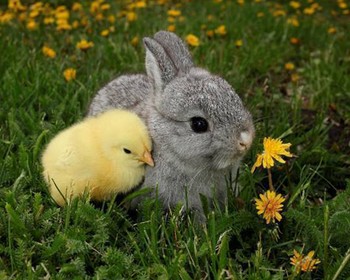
(147,158)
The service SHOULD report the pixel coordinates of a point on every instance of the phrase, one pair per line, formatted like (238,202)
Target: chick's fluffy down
(101,155)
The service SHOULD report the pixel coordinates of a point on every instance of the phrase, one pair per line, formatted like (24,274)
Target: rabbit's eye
(199,124)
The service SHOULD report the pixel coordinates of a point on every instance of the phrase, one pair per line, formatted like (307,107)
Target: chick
(101,155)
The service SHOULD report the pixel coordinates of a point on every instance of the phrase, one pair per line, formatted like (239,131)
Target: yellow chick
(101,155)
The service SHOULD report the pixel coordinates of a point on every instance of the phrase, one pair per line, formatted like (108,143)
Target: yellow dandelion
(174,13)
(240,2)
(171,19)
(210,33)
(48,52)
(269,205)
(293,21)
(77,7)
(192,40)
(63,24)
(172,28)
(70,74)
(332,30)
(49,20)
(289,66)
(94,7)
(239,43)
(279,13)
(295,4)
(140,4)
(32,25)
(6,17)
(62,14)
(221,30)
(16,5)
(273,150)
(135,41)
(111,18)
(131,16)
(304,263)
(105,33)
(342,5)
(105,7)
(84,45)
(309,11)
(294,41)
(75,24)
(34,13)
(99,17)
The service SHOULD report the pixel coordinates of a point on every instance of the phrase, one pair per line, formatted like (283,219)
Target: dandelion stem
(270,180)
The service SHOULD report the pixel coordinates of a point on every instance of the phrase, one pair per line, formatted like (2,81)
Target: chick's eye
(199,124)
(127,151)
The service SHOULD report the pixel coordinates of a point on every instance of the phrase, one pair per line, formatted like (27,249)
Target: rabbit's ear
(176,49)
(159,66)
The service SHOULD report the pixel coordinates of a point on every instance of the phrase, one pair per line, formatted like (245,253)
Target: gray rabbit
(198,124)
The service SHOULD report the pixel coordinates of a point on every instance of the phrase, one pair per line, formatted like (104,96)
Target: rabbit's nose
(245,140)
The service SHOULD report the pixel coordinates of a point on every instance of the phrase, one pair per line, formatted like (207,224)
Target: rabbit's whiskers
(199,172)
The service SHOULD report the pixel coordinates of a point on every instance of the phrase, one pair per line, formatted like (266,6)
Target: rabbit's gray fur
(174,91)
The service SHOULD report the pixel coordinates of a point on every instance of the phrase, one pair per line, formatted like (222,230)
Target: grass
(306,106)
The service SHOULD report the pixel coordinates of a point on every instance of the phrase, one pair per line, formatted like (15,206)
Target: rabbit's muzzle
(245,141)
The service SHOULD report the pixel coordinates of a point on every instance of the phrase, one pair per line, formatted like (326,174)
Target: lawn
(289,62)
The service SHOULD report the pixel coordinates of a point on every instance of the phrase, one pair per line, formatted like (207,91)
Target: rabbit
(198,124)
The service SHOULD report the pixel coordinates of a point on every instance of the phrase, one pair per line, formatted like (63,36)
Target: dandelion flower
(309,11)
(294,4)
(174,13)
(332,30)
(84,45)
(239,43)
(294,41)
(70,74)
(31,24)
(293,21)
(16,6)
(269,205)
(279,13)
(192,40)
(140,4)
(48,52)
(172,28)
(63,24)
(304,263)
(77,7)
(209,33)
(105,32)
(273,150)
(131,16)
(135,41)
(221,30)
(342,5)
(49,20)
(289,66)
